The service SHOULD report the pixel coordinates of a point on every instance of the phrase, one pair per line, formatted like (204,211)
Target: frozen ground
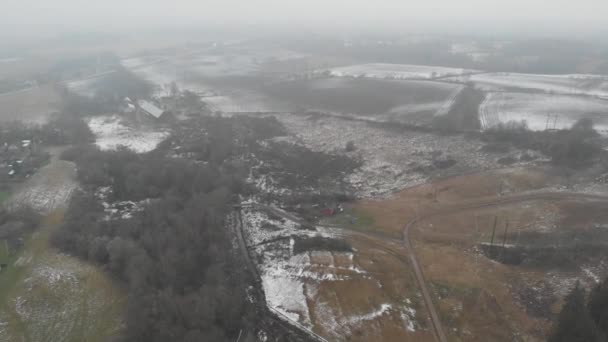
(292,282)
(283,287)
(396,71)
(389,157)
(118,209)
(574,84)
(162,75)
(534,109)
(49,189)
(111,133)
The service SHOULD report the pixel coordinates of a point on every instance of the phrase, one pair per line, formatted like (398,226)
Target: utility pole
(493,233)
(477,242)
(555,122)
(504,239)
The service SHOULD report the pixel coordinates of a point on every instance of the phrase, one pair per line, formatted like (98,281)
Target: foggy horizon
(566,19)
(304,170)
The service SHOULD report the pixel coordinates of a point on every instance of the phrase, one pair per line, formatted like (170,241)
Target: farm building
(150,108)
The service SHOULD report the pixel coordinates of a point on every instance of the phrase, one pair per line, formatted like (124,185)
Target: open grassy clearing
(481,288)
(476,296)
(4,195)
(382,305)
(485,289)
(391,214)
(352,219)
(49,296)
(32,105)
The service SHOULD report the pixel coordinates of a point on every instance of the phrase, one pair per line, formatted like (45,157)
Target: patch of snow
(53,276)
(541,111)
(253,223)
(589,273)
(382,310)
(111,133)
(571,84)
(286,295)
(396,71)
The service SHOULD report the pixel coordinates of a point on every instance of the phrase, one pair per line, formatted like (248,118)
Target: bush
(573,147)
(506,161)
(319,243)
(64,129)
(350,146)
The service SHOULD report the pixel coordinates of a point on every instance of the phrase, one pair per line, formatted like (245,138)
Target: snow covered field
(111,133)
(84,88)
(187,77)
(396,71)
(574,84)
(540,111)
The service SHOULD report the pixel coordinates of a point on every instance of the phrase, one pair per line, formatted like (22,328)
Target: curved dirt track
(438,330)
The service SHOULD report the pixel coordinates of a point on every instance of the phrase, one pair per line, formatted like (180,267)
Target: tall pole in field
(504,239)
(493,233)
(555,122)
(477,237)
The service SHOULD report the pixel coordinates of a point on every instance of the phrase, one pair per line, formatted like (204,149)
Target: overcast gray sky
(450,16)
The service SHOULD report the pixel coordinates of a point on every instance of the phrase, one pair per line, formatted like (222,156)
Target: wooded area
(583,319)
(184,279)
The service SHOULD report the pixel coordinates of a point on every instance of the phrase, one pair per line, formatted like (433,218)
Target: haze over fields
(304,171)
(537,17)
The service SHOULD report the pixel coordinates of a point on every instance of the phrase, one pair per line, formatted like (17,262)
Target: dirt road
(487,203)
(380,239)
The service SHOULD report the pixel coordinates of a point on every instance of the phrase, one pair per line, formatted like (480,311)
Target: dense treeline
(582,319)
(175,257)
(572,147)
(14,225)
(61,129)
(463,113)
